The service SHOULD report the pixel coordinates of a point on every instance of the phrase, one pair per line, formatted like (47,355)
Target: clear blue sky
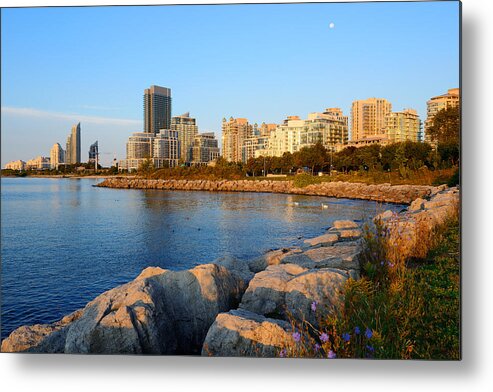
(263,62)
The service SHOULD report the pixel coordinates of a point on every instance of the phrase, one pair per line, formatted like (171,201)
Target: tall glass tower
(157,109)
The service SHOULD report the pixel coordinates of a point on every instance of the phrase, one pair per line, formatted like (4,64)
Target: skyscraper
(72,154)
(187,129)
(157,109)
(57,156)
(368,117)
(94,153)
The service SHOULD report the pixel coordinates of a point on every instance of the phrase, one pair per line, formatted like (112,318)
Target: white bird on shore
(325,206)
(296,203)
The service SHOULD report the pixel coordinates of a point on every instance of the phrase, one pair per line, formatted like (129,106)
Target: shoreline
(387,193)
(224,307)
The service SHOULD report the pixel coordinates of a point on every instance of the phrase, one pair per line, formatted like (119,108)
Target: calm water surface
(63,242)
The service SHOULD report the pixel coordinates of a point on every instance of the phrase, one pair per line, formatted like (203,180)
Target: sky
(63,65)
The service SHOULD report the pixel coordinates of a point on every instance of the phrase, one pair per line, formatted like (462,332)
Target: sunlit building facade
(368,117)
(16,165)
(205,149)
(403,126)
(187,129)
(435,104)
(57,156)
(234,132)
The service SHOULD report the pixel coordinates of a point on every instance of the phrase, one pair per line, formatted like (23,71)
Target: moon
(331,25)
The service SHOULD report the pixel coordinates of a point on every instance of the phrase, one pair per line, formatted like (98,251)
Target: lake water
(63,242)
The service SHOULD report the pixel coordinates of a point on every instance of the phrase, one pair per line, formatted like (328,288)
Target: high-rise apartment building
(72,152)
(161,149)
(368,117)
(403,126)
(187,129)
(205,148)
(440,102)
(157,109)
(329,128)
(166,149)
(57,156)
(235,131)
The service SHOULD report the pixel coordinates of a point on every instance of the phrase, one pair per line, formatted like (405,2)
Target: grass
(402,308)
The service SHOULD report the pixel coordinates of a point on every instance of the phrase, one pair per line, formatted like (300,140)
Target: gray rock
(240,333)
(384,216)
(273,257)
(345,224)
(266,292)
(238,267)
(417,204)
(288,289)
(338,256)
(323,240)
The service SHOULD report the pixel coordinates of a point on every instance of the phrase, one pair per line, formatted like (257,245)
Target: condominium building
(235,131)
(16,165)
(161,149)
(57,156)
(253,147)
(187,129)
(368,117)
(139,145)
(403,126)
(435,104)
(72,152)
(157,109)
(205,148)
(166,149)
(329,128)
(38,163)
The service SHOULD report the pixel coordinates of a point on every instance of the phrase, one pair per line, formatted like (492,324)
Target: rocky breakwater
(402,194)
(412,230)
(229,307)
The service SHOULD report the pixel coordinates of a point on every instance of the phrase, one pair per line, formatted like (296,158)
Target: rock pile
(402,194)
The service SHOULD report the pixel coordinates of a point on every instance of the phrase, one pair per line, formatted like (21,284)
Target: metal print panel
(244,180)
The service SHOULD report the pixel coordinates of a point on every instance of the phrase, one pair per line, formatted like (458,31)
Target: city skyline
(282,86)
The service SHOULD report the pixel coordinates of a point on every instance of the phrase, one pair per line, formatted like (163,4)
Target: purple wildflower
(316,347)
(368,333)
(357,331)
(296,336)
(283,353)
(381,263)
(370,348)
(324,337)
(314,306)
(331,355)
(346,337)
